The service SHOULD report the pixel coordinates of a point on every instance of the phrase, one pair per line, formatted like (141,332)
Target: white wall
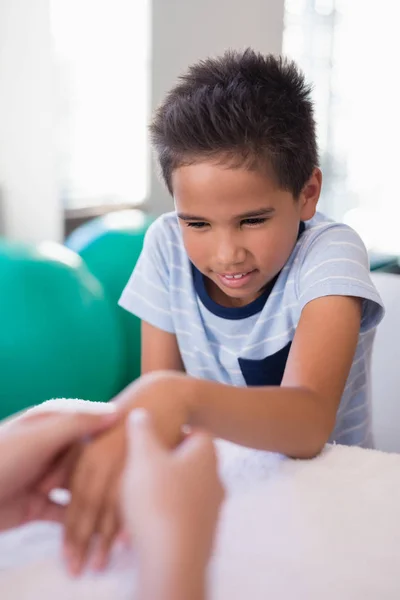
(185,31)
(182,31)
(29,200)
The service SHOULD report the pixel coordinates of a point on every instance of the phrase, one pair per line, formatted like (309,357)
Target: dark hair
(243,109)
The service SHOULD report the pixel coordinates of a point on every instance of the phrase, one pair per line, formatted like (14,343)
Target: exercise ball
(60,336)
(110,246)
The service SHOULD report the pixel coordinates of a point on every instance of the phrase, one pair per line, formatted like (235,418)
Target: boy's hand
(93,508)
(95,481)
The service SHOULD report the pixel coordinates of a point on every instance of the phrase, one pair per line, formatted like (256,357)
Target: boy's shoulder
(322,226)
(330,259)
(324,237)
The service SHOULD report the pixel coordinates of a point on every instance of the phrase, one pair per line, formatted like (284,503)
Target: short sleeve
(335,262)
(146,294)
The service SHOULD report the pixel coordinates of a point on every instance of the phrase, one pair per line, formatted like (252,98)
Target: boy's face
(238,227)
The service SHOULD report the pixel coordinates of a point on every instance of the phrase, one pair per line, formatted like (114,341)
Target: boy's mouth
(235,280)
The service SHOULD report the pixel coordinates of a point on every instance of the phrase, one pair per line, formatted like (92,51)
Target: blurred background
(79,79)
(78,82)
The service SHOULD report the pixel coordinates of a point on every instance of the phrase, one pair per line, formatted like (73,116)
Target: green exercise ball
(60,336)
(110,246)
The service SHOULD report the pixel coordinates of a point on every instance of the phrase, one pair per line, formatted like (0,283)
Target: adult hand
(171,498)
(30,444)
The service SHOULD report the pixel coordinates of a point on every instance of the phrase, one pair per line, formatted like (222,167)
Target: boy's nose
(229,254)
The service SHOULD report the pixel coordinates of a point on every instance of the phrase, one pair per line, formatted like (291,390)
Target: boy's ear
(310,195)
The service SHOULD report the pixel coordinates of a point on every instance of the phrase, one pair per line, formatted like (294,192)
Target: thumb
(142,436)
(64,429)
(199,446)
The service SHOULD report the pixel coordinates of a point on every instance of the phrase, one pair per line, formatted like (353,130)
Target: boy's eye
(197,224)
(254,221)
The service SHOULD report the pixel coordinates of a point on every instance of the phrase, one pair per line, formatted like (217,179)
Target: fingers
(198,451)
(69,428)
(59,474)
(145,445)
(41,508)
(82,516)
(124,537)
(92,483)
(45,438)
(108,534)
(103,522)
(143,440)
(108,529)
(199,445)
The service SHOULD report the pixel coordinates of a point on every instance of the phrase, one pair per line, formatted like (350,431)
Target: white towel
(324,529)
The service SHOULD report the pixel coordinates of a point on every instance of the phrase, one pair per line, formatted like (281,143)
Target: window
(102,69)
(349,50)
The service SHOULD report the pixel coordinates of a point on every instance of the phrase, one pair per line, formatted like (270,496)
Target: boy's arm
(297,418)
(160,351)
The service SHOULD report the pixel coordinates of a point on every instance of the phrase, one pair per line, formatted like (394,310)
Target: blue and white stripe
(328,259)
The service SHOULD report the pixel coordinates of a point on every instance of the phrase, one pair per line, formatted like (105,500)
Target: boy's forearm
(292,421)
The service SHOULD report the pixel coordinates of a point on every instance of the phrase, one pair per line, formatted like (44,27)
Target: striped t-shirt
(249,345)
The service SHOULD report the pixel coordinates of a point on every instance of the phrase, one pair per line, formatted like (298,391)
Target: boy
(258,313)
